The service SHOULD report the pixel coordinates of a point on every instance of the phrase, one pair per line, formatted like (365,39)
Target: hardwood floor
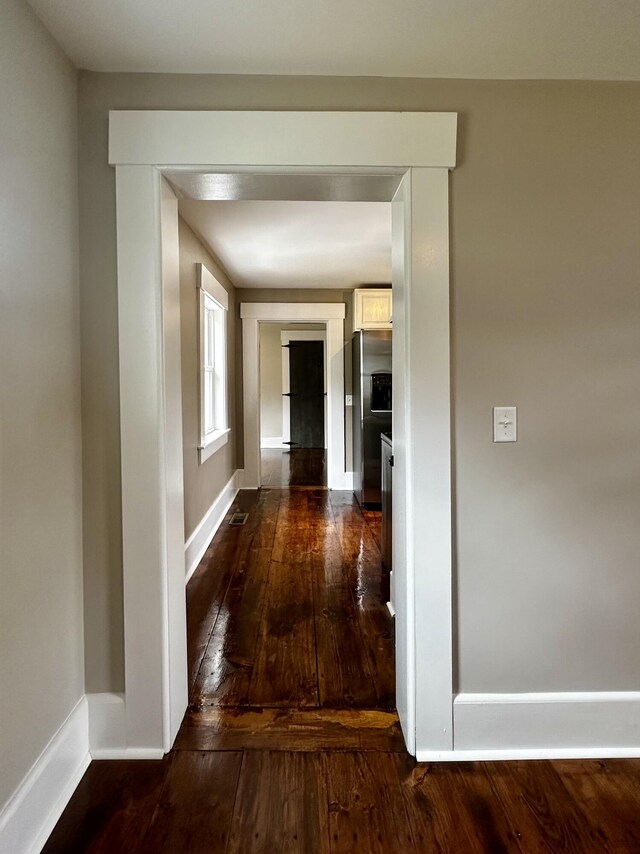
(291,743)
(337,801)
(290,610)
(295,467)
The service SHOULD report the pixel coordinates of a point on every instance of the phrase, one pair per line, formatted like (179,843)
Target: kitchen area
(372,379)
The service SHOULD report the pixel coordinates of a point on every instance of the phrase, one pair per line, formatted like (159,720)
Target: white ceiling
(296,244)
(511,39)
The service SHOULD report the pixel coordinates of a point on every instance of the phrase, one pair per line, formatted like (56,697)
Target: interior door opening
(293,405)
(306,395)
(299,620)
(408,157)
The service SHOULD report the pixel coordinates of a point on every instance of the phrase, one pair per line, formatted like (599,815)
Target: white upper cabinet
(372,308)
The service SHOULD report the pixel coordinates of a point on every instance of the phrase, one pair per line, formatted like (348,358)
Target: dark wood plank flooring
(295,615)
(295,467)
(291,743)
(275,801)
(305,730)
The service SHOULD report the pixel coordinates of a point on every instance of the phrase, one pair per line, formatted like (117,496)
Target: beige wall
(545,217)
(202,483)
(41,616)
(270,381)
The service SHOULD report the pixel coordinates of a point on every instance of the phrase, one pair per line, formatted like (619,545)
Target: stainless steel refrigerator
(371,411)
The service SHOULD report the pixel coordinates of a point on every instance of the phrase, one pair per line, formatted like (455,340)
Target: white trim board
(108,730)
(198,542)
(246,481)
(292,312)
(31,813)
(285,139)
(567,724)
(267,442)
(208,283)
(422,452)
(332,316)
(218,440)
(347,482)
(107,724)
(525,754)
(420,147)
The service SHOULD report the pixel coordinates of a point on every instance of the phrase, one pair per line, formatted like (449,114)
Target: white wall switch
(504,424)
(348,400)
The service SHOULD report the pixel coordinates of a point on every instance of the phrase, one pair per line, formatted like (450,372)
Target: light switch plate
(505,425)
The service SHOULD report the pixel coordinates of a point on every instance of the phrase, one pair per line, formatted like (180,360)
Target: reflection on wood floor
(290,610)
(297,467)
(291,744)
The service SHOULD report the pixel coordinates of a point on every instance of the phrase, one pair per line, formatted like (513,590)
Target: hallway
(289,610)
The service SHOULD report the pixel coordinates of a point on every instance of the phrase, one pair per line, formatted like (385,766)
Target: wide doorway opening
(407,154)
(287,608)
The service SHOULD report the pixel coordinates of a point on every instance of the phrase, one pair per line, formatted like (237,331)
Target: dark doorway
(306,391)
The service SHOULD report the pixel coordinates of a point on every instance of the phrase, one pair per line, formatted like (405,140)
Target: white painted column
(151,448)
(402,570)
(177,612)
(335,405)
(251,476)
(428,415)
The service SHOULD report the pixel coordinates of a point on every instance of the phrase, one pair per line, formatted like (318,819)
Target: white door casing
(332,314)
(420,146)
(422,545)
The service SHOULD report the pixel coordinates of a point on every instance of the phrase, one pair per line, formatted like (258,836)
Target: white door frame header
(293,312)
(419,146)
(269,138)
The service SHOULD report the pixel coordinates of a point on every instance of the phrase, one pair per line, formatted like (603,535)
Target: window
(213,306)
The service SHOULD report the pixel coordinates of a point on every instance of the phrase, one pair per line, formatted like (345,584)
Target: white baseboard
(245,481)
(513,755)
(392,593)
(198,542)
(345,483)
(107,724)
(30,815)
(129,753)
(272,442)
(108,730)
(545,725)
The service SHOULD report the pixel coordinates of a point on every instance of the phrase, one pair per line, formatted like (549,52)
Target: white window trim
(215,441)
(209,286)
